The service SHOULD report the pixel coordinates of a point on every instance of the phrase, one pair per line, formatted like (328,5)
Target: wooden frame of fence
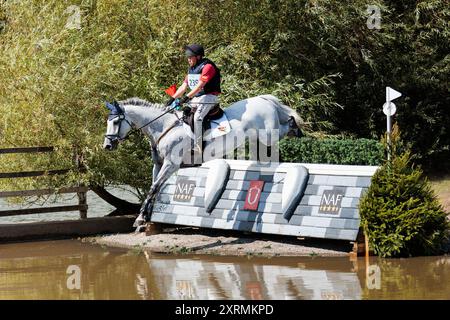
(81,191)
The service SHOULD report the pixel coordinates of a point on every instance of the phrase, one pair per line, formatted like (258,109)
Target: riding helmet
(194,50)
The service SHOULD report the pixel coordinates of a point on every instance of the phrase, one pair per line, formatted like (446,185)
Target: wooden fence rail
(26,150)
(17,212)
(30,174)
(41,192)
(81,191)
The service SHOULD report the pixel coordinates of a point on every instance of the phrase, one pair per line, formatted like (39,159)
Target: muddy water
(75,270)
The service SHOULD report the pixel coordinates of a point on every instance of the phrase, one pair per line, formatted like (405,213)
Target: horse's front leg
(166,171)
(145,209)
(157,163)
(142,218)
(155,173)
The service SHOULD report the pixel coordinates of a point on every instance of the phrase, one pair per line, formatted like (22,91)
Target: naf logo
(183,190)
(331,201)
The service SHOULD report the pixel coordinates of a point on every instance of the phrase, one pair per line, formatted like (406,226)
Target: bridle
(116,137)
(121,116)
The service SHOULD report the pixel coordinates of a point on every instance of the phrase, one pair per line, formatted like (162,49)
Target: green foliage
(55,79)
(2,16)
(400,213)
(130,165)
(54,82)
(332,150)
(318,56)
(421,45)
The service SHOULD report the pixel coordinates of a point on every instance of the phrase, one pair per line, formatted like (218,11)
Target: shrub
(332,150)
(400,213)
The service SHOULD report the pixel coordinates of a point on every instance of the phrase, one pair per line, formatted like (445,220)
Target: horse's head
(294,129)
(118,126)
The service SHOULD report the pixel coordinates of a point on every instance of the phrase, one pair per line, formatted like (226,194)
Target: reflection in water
(40,271)
(414,278)
(252,280)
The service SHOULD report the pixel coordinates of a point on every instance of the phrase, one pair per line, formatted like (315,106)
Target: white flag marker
(392,94)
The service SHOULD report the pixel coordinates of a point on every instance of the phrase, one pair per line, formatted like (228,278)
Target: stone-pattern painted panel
(328,208)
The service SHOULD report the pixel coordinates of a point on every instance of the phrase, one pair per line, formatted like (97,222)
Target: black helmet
(194,50)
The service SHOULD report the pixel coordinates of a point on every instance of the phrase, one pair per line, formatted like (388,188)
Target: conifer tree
(400,212)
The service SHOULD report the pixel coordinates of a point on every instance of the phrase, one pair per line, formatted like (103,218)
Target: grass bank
(441,185)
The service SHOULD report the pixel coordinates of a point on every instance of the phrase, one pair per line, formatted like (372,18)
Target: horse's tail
(284,112)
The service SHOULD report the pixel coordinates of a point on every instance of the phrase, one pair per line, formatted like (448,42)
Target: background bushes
(332,150)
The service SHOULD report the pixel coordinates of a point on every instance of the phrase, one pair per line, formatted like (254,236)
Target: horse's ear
(109,106)
(114,107)
(117,107)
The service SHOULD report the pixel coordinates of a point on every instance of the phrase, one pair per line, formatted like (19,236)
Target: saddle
(215,113)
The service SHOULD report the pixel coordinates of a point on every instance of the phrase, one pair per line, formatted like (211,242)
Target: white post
(389,124)
(389,110)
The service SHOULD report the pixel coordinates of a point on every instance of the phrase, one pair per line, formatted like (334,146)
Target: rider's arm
(180,90)
(196,89)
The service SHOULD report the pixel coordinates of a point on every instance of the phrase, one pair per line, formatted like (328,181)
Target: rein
(150,122)
(121,117)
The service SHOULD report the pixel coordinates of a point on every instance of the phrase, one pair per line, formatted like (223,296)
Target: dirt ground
(230,243)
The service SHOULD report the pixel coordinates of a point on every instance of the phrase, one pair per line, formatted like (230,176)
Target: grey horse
(171,143)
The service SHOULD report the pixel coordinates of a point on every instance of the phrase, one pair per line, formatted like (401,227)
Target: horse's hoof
(140,229)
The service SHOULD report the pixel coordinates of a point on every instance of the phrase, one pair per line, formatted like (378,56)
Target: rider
(203,80)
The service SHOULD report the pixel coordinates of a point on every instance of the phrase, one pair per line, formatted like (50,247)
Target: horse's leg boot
(140,229)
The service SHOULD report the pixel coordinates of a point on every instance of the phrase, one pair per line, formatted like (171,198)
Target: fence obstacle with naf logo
(297,199)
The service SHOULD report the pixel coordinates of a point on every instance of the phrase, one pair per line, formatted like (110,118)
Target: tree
(400,212)
(318,56)
(55,80)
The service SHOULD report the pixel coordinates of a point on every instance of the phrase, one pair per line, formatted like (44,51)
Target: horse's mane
(141,102)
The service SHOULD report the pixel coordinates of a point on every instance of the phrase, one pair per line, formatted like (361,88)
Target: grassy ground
(442,187)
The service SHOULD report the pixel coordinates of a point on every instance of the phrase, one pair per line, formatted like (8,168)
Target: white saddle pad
(219,127)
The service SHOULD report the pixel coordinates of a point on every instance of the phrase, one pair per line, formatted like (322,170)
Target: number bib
(193,80)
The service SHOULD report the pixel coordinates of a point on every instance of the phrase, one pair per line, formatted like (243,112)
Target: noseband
(116,137)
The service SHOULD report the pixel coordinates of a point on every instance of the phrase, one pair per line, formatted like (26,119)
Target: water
(96,207)
(39,270)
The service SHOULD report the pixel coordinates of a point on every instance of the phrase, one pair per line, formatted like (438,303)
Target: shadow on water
(42,270)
